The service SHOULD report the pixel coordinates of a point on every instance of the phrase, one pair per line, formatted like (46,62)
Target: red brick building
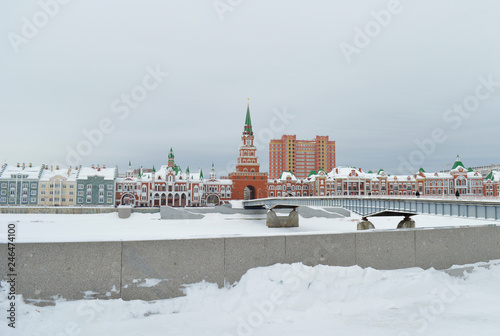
(300,156)
(248,181)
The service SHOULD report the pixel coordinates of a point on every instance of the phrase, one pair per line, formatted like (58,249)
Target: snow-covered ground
(289,300)
(108,227)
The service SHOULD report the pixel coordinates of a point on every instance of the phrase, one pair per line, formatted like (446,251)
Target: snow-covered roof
(494,176)
(219,182)
(67,173)
(474,174)
(285,175)
(107,173)
(349,172)
(437,175)
(28,172)
(401,178)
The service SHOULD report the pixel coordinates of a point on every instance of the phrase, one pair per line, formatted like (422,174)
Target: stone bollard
(124,211)
(365,224)
(406,223)
(290,220)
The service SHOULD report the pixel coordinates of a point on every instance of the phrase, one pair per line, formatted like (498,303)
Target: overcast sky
(378,77)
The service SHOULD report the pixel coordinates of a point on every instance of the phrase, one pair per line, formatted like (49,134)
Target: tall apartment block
(300,156)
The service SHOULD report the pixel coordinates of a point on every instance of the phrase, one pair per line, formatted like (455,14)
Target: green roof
(457,163)
(201,173)
(171,154)
(490,176)
(421,170)
(313,172)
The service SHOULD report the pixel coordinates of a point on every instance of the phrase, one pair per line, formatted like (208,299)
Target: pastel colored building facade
(19,184)
(96,186)
(57,186)
(300,157)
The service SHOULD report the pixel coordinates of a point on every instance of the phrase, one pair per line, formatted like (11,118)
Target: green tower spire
(248,121)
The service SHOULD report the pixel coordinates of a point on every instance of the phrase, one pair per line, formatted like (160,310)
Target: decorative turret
(458,163)
(213,175)
(130,171)
(171,161)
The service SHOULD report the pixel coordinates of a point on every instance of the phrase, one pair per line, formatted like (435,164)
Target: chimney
(46,167)
(51,167)
(57,167)
(103,166)
(359,170)
(93,166)
(31,165)
(24,166)
(18,165)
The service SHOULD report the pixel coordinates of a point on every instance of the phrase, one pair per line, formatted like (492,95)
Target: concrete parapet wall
(151,270)
(70,270)
(173,263)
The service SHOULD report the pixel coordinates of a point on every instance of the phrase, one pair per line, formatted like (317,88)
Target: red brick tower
(248,182)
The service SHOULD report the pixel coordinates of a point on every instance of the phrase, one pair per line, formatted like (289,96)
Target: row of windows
(101,186)
(13,185)
(14,200)
(101,193)
(57,185)
(101,200)
(57,199)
